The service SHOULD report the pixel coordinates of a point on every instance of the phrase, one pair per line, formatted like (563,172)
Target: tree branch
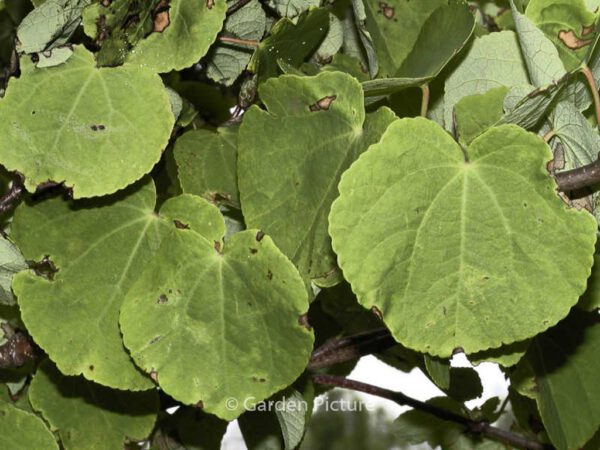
(336,351)
(475,427)
(582,177)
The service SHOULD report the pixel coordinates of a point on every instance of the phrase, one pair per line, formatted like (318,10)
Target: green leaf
(479,72)
(193,27)
(227,61)
(98,250)
(476,113)
(49,25)
(84,126)
(443,35)
(568,24)
(447,264)
(590,300)
(198,430)
(287,185)
(206,164)
(292,8)
(506,356)
(362,38)
(89,416)
(404,31)
(20,430)
(118,26)
(223,301)
(387,86)
(460,383)
(395,26)
(292,43)
(542,58)
(11,262)
(564,364)
(293,415)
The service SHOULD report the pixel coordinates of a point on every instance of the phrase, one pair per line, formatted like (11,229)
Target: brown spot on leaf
(210,3)
(35,58)
(269,274)
(259,236)
(253,251)
(181,225)
(587,30)
(322,104)
(558,163)
(154,375)
(161,21)
(162,299)
(199,404)
(387,11)
(106,3)
(570,39)
(154,340)
(98,127)
(91,367)
(303,320)
(217,246)
(457,350)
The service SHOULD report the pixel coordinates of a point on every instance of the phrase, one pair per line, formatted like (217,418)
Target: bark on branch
(582,177)
(474,427)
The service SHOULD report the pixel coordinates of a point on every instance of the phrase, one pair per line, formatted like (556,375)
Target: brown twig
(475,427)
(246,42)
(239,5)
(424,100)
(336,351)
(582,177)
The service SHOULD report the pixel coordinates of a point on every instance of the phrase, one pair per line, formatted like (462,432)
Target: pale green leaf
(292,8)
(207,164)
(448,266)
(362,36)
(580,141)
(49,25)
(99,251)
(90,416)
(287,185)
(525,105)
(211,323)
(481,71)
(227,61)
(193,27)
(11,262)
(84,126)
(293,415)
(568,24)
(333,40)
(565,370)
(20,430)
(542,58)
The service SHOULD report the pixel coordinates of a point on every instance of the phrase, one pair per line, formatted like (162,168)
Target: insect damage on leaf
(570,39)
(322,104)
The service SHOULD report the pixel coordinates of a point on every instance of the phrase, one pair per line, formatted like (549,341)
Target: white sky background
(370,370)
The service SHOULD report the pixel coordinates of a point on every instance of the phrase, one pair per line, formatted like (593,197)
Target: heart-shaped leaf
(97,252)
(70,120)
(218,325)
(460,250)
(287,185)
(87,415)
(191,29)
(21,430)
